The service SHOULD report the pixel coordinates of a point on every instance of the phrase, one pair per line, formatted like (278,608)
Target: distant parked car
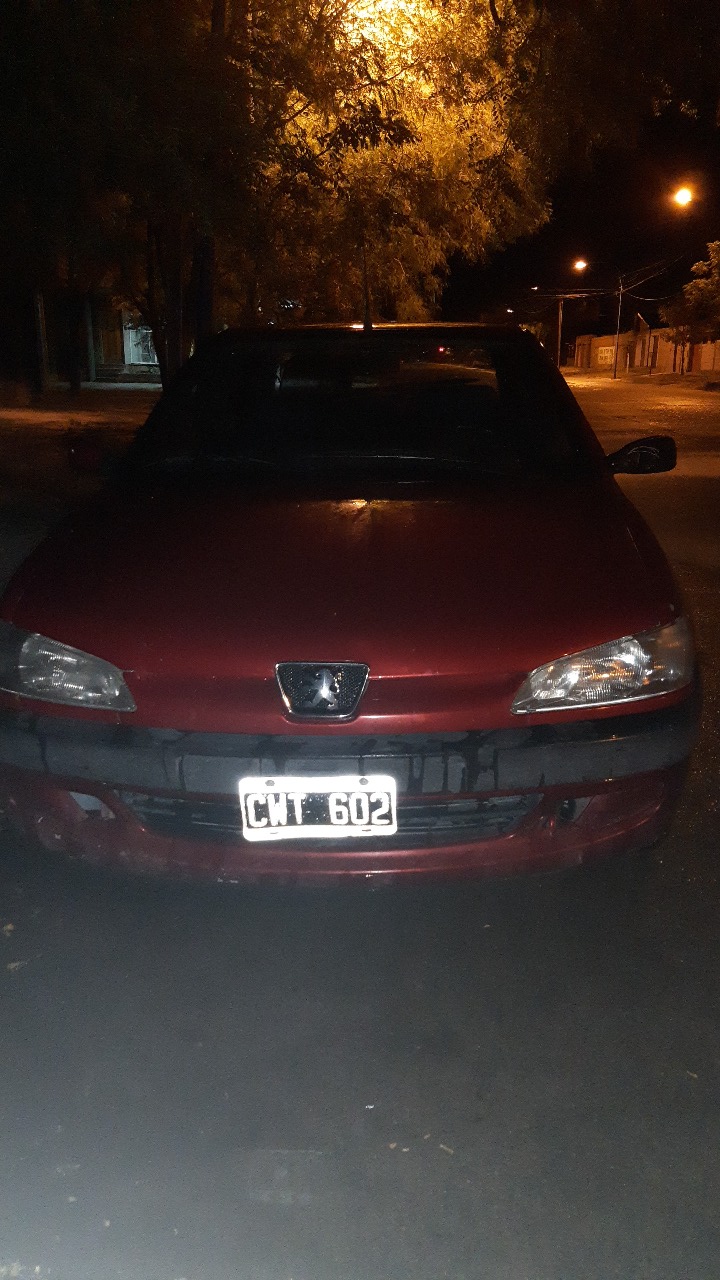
(363,602)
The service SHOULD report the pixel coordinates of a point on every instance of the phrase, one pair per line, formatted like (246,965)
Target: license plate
(329,808)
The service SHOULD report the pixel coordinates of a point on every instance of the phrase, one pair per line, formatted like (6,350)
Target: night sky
(615,212)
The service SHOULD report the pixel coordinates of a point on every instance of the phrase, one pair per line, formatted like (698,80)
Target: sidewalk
(122,400)
(705,381)
(33,437)
(37,484)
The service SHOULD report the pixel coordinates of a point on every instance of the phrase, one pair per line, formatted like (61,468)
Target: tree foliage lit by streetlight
(306,148)
(694,315)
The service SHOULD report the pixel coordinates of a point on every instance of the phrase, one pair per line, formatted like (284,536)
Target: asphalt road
(515,1081)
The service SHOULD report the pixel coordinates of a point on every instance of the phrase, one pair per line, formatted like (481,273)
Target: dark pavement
(517,1080)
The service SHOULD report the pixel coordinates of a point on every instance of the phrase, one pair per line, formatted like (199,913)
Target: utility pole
(617,327)
(630,281)
(580,265)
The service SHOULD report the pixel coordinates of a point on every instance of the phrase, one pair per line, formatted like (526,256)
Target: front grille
(437,822)
(322,690)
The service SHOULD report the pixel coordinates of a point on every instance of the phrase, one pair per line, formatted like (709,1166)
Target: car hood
(449,600)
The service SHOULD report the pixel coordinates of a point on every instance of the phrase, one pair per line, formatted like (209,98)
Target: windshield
(388,405)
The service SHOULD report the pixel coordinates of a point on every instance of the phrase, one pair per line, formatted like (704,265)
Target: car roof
(231,338)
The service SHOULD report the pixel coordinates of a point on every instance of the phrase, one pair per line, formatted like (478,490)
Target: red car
(356,601)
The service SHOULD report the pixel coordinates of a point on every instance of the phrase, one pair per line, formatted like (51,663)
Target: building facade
(645,348)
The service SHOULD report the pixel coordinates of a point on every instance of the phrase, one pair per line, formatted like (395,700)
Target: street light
(682,197)
(579,265)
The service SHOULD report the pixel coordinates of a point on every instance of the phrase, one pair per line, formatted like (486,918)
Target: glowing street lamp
(683,197)
(579,265)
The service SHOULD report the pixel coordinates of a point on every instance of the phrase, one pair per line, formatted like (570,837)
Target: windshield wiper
(186,461)
(318,464)
(426,460)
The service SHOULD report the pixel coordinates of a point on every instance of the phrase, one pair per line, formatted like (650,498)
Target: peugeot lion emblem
(322,690)
(322,687)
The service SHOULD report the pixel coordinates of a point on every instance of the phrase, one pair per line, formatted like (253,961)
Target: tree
(133,131)
(310,151)
(696,313)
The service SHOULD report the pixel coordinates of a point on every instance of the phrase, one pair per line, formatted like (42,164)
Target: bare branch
(499,22)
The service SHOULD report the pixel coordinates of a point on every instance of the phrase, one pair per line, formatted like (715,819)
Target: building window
(137,341)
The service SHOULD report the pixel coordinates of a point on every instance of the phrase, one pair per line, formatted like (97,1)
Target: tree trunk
(172,262)
(75,338)
(155,308)
(167,260)
(203,277)
(203,266)
(218,17)
(43,362)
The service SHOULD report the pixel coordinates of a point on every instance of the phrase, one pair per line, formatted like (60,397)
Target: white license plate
(304,808)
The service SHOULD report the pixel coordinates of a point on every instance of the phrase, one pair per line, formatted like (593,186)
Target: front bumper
(468,802)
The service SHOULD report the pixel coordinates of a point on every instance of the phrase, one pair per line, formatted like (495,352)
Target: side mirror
(644,457)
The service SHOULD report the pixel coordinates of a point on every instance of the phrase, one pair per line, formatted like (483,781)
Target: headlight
(624,670)
(40,668)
